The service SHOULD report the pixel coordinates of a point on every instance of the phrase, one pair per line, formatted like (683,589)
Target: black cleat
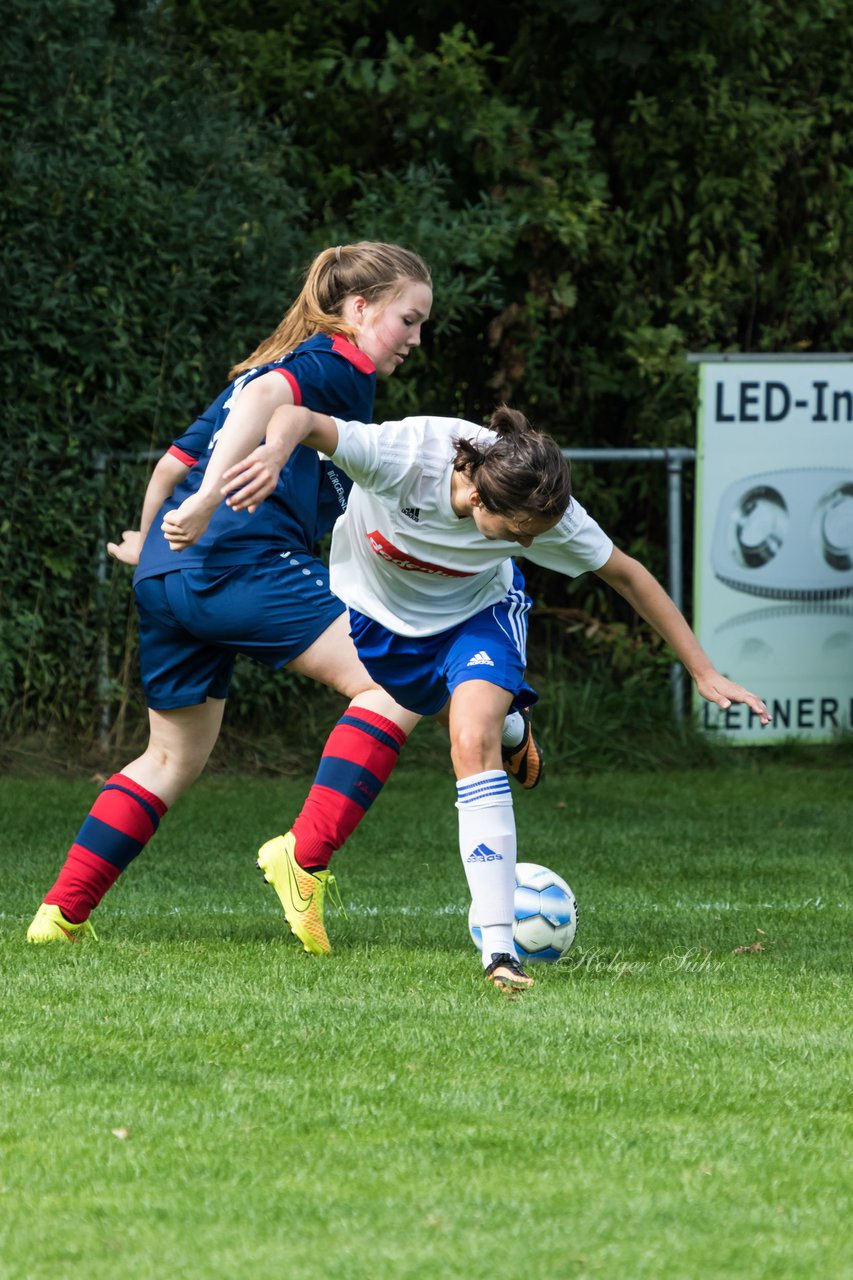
(506,974)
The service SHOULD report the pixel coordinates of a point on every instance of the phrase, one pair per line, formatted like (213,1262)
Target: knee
(178,769)
(473,749)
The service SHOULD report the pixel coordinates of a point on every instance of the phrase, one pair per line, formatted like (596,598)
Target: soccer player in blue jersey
(252,585)
(422,558)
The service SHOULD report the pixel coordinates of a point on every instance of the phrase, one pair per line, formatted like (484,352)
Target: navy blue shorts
(421,672)
(194,622)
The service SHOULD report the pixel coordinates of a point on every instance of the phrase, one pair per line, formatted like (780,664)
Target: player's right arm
(379,457)
(166,476)
(249,481)
(246,426)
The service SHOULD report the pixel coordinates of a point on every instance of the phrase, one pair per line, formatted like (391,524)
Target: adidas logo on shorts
(484,854)
(480,659)
(411,513)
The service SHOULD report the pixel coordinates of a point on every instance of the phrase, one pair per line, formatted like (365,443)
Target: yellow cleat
(301,893)
(50,925)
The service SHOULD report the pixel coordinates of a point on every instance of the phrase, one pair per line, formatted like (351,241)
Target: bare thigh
(333,660)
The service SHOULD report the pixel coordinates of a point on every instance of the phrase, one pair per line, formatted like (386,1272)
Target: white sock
(513,730)
(488,848)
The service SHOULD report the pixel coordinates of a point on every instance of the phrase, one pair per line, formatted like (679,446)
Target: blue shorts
(421,672)
(194,622)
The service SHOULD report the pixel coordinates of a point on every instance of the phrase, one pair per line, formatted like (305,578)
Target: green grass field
(194,1097)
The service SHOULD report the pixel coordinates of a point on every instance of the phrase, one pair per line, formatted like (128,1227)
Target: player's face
(387,332)
(521,527)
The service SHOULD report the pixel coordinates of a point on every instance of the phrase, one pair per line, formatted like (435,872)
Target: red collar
(354,354)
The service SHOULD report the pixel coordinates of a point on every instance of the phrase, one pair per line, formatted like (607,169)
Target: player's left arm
(166,476)
(645,594)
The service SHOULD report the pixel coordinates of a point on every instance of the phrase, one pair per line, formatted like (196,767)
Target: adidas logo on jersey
(484,854)
(480,659)
(411,513)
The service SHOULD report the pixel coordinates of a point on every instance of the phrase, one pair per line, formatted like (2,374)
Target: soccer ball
(546,914)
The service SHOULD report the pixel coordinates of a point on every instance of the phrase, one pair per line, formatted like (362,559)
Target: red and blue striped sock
(357,760)
(120,823)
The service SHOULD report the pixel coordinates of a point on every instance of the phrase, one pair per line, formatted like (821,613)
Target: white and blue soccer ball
(546,914)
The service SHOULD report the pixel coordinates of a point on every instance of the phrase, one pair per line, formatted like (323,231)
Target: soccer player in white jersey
(423,560)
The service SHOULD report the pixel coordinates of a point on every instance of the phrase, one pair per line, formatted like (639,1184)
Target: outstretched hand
(251,480)
(186,524)
(127,551)
(718,689)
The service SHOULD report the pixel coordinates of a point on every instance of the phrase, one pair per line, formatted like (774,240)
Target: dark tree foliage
(598,187)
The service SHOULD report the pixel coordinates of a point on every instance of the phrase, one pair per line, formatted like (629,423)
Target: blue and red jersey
(327,374)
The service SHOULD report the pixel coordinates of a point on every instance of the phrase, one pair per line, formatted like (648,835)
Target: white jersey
(402,556)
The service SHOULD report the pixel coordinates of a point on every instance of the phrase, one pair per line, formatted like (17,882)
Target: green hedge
(598,187)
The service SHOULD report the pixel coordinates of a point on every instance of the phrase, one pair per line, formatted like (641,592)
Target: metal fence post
(674,459)
(674,471)
(99,466)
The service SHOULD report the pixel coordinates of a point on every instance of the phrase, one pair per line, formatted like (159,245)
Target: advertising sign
(773,582)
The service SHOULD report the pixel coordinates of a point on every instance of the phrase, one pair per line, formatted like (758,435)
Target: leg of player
(487,840)
(520,752)
(357,761)
(125,816)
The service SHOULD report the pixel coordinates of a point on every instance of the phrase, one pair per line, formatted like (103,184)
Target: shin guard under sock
(487,843)
(122,820)
(357,761)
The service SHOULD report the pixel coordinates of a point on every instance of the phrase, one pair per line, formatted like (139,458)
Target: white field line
(461,909)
